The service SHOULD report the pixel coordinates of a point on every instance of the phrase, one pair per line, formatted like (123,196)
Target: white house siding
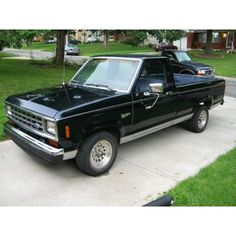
(151,39)
(181,43)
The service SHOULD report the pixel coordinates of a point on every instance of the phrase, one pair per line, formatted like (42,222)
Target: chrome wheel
(202,119)
(101,154)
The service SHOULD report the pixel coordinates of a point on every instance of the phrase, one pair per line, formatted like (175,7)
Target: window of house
(202,37)
(215,37)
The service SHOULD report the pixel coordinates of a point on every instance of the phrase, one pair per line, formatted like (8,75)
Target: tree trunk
(208,50)
(60,51)
(106,37)
(117,35)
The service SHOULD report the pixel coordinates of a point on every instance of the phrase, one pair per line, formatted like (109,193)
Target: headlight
(8,110)
(51,127)
(201,72)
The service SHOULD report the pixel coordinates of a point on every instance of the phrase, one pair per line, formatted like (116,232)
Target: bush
(135,37)
(150,45)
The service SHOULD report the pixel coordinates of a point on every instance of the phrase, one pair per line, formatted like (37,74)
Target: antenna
(63,72)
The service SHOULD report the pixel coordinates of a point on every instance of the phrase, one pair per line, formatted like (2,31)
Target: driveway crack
(149,170)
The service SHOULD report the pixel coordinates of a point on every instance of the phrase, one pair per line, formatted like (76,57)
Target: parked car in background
(50,40)
(74,41)
(163,46)
(71,49)
(91,39)
(183,64)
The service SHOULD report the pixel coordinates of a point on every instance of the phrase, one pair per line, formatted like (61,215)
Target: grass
(94,48)
(113,48)
(18,76)
(224,66)
(215,185)
(51,47)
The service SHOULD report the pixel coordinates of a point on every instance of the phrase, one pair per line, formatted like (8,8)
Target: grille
(27,119)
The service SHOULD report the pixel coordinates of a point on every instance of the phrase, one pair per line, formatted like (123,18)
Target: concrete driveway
(230,88)
(144,168)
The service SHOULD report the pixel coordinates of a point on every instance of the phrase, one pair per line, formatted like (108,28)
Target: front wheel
(97,153)
(199,120)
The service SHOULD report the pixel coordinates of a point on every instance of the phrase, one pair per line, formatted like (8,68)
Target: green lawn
(94,48)
(224,66)
(40,46)
(215,185)
(17,76)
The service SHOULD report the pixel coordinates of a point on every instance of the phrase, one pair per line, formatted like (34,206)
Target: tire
(97,153)
(199,120)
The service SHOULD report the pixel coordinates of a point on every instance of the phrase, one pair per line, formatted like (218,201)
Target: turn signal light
(67,131)
(53,143)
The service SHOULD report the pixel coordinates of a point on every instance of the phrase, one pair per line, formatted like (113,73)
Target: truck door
(153,109)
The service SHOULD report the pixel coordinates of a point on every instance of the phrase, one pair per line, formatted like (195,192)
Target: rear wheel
(97,153)
(199,120)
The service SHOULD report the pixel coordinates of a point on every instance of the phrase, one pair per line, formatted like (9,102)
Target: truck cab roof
(132,56)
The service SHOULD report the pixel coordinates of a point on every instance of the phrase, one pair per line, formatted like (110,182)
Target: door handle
(151,106)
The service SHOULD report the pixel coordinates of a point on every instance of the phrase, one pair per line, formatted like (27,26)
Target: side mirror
(156,87)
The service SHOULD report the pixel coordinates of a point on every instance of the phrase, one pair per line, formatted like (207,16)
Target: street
(42,55)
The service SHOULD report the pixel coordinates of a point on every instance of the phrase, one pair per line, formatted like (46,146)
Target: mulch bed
(212,56)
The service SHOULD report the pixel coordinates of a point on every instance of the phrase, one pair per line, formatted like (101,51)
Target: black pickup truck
(111,100)
(183,64)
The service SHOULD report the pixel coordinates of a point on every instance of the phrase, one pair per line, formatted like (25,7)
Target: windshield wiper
(75,83)
(101,85)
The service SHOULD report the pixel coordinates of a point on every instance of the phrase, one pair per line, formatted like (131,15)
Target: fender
(187,70)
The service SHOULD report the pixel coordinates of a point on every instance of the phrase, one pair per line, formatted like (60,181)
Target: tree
(167,35)
(60,51)
(105,33)
(48,34)
(28,35)
(208,49)
(10,38)
(135,37)
(106,37)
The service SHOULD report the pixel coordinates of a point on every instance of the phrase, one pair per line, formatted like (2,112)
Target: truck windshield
(108,73)
(182,56)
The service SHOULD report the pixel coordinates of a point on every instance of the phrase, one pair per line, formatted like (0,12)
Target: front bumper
(36,147)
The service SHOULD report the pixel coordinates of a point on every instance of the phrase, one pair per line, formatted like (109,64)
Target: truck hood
(50,101)
(196,65)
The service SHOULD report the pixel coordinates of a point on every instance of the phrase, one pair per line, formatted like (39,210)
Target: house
(221,39)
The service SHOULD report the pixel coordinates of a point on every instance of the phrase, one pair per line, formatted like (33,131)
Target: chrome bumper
(36,147)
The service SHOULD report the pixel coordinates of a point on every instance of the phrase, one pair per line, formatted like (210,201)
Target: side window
(170,56)
(153,71)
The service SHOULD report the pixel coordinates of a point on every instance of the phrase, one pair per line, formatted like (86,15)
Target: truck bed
(185,80)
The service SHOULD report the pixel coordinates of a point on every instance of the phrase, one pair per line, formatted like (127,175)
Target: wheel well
(114,131)
(187,72)
(206,103)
